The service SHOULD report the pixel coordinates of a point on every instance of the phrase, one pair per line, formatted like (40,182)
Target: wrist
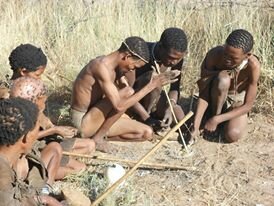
(217,119)
(173,101)
(54,129)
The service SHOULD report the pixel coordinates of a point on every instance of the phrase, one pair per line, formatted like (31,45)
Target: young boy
(229,77)
(98,104)
(19,128)
(27,60)
(35,91)
(168,54)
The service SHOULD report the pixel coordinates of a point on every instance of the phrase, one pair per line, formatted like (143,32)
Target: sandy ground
(241,173)
(226,174)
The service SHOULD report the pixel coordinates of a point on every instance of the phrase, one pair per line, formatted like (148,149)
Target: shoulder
(94,68)
(213,57)
(215,52)
(254,63)
(253,68)
(96,64)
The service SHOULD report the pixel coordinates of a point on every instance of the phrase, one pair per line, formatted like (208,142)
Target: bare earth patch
(226,174)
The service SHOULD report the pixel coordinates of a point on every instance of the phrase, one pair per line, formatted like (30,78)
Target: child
(229,77)
(19,128)
(35,91)
(27,60)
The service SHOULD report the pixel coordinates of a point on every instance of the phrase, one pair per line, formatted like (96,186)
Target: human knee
(147,133)
(223,81)
(55,149)
(233,135)
(91,146)
(77,166)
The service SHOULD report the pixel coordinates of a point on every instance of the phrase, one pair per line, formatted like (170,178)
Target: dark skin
(13,152)
(165,59)
(95,92)
(220,61)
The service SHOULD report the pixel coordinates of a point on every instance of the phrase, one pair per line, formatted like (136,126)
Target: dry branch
(157,146)
(131,163)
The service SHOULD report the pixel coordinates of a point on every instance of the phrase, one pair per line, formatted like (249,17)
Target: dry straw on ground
(71,32)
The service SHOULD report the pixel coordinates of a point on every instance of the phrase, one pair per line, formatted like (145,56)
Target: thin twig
(157,146)
(131,163)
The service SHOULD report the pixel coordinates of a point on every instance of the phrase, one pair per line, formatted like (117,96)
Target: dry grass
(72,32)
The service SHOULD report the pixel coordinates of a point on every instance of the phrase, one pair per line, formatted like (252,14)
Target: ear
(23,72)
(126,55)
(25,139)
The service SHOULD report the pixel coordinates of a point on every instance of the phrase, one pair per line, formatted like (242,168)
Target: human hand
(167,120)
(154,123)
(66,131)
(48,200)
(165,78)
(211,124)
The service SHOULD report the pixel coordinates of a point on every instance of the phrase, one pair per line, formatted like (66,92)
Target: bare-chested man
(101,95)
(168,53)
(228,86)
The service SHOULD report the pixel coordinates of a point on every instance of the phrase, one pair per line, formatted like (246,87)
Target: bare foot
(104,146)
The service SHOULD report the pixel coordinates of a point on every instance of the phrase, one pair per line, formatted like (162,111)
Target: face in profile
(171,57)
(131,63)
(35,74)
(31,136)
(233,57)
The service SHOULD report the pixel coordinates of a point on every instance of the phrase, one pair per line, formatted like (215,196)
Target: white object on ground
(114,172)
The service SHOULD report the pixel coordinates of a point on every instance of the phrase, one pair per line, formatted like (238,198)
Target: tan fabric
(235,99)
(76,118)
(12,191)
(37,176)
(67,145)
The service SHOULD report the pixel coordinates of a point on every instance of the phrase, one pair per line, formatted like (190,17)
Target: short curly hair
(240,38)
(174,38)
(27,56)
(17,117)
(137,46)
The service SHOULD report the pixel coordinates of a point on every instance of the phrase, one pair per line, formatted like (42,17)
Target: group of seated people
(116,97)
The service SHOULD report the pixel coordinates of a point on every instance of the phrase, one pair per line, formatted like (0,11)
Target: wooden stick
(131,162)
(157,146)
(171,109)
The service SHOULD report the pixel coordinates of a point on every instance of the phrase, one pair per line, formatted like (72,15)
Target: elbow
(119,108)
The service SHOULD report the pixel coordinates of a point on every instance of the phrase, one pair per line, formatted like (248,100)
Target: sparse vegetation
(71,32)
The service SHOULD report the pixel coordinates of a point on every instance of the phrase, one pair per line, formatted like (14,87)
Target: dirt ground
(241,173)
(226,174)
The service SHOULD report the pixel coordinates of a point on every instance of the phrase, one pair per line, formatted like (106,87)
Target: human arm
(64,131)
(173,95)
(47,200)
(123,102)
(251,91)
